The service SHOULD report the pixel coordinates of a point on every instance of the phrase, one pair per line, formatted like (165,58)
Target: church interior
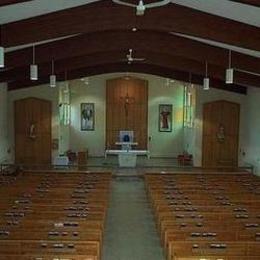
(129,130)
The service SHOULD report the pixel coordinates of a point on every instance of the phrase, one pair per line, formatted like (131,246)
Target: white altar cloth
(127,158)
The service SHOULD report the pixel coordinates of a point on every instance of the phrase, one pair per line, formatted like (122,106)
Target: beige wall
(94,92)
(251,146)
(161,144)
(4,141)
(165,144)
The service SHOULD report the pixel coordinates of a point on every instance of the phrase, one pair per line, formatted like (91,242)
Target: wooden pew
(53,216)
(196,214)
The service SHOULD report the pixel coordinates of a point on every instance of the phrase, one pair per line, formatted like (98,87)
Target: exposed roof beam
(11,2)
(123,67)
(145,40)
(168,61)
(104,15)
(248,2)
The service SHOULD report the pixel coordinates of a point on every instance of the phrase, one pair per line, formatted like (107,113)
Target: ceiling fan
(141,7)
(130,58)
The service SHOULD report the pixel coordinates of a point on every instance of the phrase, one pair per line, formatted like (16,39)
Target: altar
(127,158)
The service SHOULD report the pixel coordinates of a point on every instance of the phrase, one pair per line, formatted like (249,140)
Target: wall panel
(126,104)
(220,134)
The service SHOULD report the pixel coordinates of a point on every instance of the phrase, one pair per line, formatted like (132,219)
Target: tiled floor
(130,229)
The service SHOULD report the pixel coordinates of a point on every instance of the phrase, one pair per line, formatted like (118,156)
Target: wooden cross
(127,101)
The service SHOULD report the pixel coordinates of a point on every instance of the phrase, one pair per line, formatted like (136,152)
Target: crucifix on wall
(127,101)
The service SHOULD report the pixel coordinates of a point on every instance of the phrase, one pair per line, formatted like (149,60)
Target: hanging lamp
(206,79)
(229,71)
(33,67)
(52,76)
(2,50)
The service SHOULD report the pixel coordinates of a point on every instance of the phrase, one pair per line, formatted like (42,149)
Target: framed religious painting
(165,117)
(87,115)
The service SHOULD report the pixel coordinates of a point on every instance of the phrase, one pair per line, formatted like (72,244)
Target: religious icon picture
(87,111)
(165,118)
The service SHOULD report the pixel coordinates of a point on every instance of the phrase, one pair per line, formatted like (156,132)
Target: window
(64,104)
(189,106)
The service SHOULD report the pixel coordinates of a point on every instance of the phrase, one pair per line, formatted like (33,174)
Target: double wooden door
(32,131)
(220,134)
(126,109)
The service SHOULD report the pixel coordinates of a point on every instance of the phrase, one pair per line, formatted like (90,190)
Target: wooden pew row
(193,208)
(220,184)
(182,206)
(203,208)
(223,197)
(239,211)
(205,226)
(56,182)
(180,250)
(209,191)
(90,256)
(41,183)
(29,208)
(60,206)
(47,225)
(46,248)
(15,191)
(93,235)
(50,218)
(164,200)
(53,235)
(65,196)
(209,235)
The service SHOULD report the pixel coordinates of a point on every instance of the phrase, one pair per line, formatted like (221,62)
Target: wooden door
(126,109)
(220,134)
(32,131)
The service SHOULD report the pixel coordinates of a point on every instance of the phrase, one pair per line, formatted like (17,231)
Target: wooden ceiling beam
(248,2)
(120,67)
(11,2)
(105,15)
(154,58)
(146,40)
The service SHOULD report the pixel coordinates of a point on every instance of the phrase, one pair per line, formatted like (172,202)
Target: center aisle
(130,229)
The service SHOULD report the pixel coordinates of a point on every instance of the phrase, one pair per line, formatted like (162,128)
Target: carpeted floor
(130,232)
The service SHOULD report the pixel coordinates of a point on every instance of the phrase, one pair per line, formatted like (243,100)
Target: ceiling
(86,37)
(30,8)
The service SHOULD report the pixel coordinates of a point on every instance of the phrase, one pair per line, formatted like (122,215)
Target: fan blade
(158,4)
(138,59)
(123,3)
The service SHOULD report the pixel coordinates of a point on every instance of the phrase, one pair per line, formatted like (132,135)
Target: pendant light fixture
(2,51)
(229,71)
(33,67)
(206,79)
(52,76)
